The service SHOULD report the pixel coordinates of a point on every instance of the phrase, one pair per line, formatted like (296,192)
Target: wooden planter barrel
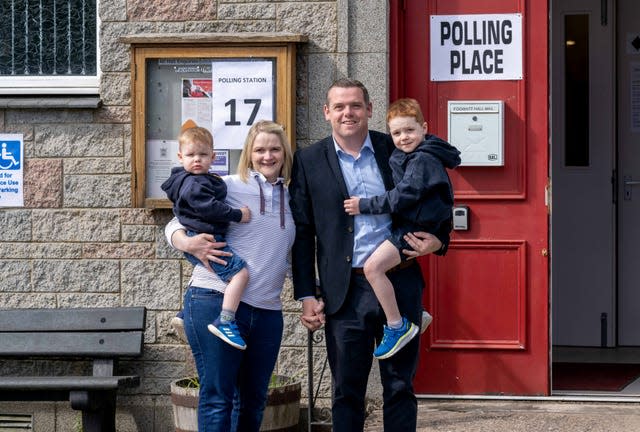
(185,406)
(282,413)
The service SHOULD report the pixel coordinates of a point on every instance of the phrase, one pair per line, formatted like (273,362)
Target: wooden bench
(101,335)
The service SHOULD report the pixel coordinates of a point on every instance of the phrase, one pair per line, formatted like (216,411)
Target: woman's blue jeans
(233,383)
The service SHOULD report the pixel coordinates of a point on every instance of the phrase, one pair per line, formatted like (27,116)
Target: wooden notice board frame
(186,55)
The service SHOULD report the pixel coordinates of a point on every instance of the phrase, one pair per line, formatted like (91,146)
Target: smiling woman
(226,373)
(266,151)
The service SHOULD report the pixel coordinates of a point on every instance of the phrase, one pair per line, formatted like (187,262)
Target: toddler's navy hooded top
(198,201)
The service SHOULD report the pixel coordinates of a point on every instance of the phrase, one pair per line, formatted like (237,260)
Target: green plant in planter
(274,381)
(189,382)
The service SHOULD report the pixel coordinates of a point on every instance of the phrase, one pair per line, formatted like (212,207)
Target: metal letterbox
(476,128)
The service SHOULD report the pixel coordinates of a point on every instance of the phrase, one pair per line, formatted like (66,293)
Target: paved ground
(520,416)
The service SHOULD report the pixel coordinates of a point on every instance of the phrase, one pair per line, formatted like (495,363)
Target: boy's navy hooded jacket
(198,201)
(422,194)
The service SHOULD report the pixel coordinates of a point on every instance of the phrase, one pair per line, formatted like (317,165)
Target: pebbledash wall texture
(78,242)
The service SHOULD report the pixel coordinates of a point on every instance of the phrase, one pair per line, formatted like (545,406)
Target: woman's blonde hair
(266,126)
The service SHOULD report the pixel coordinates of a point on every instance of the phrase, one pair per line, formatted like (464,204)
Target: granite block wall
(78,242)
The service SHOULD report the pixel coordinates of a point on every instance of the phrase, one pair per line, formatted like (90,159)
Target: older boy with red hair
(421,200)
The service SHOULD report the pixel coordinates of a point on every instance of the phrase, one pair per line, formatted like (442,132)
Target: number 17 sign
(243,93)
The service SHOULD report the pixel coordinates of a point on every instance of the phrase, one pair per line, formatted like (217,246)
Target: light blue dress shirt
(363,179)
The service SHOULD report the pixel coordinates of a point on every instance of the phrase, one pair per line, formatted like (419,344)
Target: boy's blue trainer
(228,332)
(394,339)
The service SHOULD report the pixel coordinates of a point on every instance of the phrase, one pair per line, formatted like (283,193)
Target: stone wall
(79,243)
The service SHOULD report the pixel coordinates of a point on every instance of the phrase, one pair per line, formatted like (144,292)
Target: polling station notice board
(219,81)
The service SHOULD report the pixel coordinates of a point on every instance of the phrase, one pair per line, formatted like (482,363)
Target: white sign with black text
(476,47)
(243,93)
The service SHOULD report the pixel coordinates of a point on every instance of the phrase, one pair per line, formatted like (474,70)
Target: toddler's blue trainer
(228,332)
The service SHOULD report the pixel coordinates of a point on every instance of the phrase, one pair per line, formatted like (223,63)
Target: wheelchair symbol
(7,160)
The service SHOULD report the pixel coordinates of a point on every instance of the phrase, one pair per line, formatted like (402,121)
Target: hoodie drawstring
(261,196)
(281,204)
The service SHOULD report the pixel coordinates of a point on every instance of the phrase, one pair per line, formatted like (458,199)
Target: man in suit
(353,161)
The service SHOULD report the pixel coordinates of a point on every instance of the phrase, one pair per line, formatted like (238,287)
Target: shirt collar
(260,176)
(279,182)
(367,144)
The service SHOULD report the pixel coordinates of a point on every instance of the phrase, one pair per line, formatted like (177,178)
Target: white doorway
(583,164)
(595,179)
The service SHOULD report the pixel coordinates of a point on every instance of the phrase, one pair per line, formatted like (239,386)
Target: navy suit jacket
(324,231)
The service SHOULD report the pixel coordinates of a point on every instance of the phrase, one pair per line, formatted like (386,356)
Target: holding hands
(312,313)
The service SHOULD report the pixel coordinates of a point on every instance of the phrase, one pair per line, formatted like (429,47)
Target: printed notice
(11,162)
(162,155)
(220,164)
(476,47)
(196,102)
(243,93)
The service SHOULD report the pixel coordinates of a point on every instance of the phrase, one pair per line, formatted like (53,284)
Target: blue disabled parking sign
(10,155)
(11,181)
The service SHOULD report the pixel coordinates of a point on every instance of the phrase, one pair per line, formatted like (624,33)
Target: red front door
(489,295)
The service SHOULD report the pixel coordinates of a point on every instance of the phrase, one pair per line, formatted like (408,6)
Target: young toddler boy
(421,200)
(198,203)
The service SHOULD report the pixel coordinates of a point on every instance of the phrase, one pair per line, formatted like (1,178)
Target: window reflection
(576,90)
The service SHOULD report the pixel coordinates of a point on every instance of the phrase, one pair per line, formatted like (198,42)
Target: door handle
(628,183)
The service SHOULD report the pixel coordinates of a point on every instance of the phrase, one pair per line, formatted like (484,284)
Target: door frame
(583,285)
